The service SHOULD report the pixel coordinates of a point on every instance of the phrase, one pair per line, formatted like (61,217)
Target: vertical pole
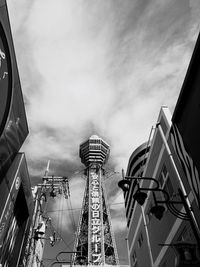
(47,169)
(123,176)
(36,218)
(147,236)
(185,199)
(129,258)
(31,247)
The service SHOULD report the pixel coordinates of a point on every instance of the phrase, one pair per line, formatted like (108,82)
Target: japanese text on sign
(95,213)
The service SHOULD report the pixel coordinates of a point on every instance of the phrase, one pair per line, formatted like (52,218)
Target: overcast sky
(103,66)
(98,67)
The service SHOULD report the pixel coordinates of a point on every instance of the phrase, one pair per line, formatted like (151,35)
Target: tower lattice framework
(95,243)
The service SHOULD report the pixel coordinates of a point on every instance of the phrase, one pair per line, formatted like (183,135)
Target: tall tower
(95,243)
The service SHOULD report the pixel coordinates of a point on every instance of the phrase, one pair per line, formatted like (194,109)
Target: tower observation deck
(95,243)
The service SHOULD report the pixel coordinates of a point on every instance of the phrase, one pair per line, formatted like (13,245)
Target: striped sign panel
(186,161)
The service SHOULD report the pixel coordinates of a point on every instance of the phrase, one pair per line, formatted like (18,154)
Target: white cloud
(89,72)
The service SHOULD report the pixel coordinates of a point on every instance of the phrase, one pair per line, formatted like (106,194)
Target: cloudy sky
(103,67)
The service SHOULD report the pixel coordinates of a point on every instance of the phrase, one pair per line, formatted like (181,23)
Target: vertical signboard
(187,162)
(95,219)
(185,130)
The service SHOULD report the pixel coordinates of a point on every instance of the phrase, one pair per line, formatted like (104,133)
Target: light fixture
(124,184)
(140,197)
(158,211)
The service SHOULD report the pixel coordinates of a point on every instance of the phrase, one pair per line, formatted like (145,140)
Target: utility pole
(51,186)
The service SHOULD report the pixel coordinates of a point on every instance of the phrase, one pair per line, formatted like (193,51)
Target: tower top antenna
(47,168)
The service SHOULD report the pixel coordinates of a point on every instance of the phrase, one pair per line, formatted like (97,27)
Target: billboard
(13,123)
(16,207)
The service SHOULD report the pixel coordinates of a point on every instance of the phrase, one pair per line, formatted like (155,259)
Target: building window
(134,257)
(140,240)
(165,182)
